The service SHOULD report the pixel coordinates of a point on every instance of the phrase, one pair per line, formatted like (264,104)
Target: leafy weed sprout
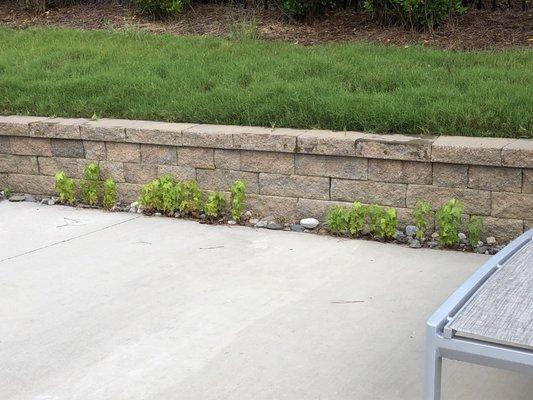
(338,220)
(449,220)
(475,230)
(91,184)
(421,213)
(215,204)
(65,188)
(190,197)
(110,193)
(238,197)
(357,218)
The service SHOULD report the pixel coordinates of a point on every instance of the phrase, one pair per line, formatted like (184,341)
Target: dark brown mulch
(478,29)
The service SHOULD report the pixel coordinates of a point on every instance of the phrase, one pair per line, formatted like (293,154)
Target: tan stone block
(528,224)
(228,159)
(222,179)
(518,153)
(61,128)
(211,136)
(113,170)
(527,181)
(106,129)
(468,150)
(400,171)
(157,154)
(325,142)
(152,132)
(31,146)
(261,161)
(94,150)
(395,147)
(3,180)
(311,187)
(125,152)
(139,173)
(32,184)
(67,148)
(128,192)
(17,125)
(331,166)
(512,205)
(309,208)
(196,157)
(504,230)
(73,167)
(5,145)
(385,194)
(180,173)
(495,178)
(264,139)
(18,164)
(474,201)
(450,175)
(263,206)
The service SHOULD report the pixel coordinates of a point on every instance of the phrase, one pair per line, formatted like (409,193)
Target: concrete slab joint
(292,172)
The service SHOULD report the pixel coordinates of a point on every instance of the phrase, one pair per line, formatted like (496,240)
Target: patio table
(489,319)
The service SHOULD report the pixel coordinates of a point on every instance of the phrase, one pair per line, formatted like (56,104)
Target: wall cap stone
(444,149)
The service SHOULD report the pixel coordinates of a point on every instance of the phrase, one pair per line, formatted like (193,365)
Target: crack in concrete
(69,239)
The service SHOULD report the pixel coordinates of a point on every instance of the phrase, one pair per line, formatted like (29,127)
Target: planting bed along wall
(289,173)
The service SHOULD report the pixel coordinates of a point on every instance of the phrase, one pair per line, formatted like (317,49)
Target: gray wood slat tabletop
(501,311)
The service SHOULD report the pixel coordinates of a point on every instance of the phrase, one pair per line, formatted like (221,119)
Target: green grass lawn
(64,72)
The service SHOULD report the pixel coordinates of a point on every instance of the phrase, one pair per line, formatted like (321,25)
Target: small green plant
(475,230)
(238,197)
(338,220)
(357,218)
(388,223)
(167,197)
(110,193)
(149,198)
(244,29)
(375,213)
(215,204)
(449,221)
(7,192)
(65,188)
(190,197)
(383,222)
(91,184)
(421,213)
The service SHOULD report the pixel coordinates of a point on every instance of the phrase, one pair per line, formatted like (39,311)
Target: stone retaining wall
(291,173)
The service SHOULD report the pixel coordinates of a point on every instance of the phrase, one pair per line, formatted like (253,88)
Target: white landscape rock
(309,223)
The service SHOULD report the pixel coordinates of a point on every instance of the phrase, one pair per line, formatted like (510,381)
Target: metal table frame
(441,342)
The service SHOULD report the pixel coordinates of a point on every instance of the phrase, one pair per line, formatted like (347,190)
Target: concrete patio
(97,305)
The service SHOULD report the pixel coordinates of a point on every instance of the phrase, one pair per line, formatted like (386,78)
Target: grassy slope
(201,79)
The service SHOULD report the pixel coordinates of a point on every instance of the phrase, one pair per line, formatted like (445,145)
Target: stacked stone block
(290,173)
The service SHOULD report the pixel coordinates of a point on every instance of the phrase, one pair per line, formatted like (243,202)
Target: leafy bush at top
(110,193)
(475,230)
(65,188)
(190,197)
(357,218)
(91,184)
(338,220)
(421,213)
(238,197)
(303,9)
(160,9)
(449,220)
(419,14)
(215,203)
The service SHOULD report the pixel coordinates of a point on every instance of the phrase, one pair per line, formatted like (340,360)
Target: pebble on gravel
(253,221)
(491,240)
(411,230)
(414,243)
(232,222)
(400,236)
(309,223)
(297,228)
(17,198)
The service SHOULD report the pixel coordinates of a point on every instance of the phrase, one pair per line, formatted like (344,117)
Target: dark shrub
(419,14)
(160,8)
